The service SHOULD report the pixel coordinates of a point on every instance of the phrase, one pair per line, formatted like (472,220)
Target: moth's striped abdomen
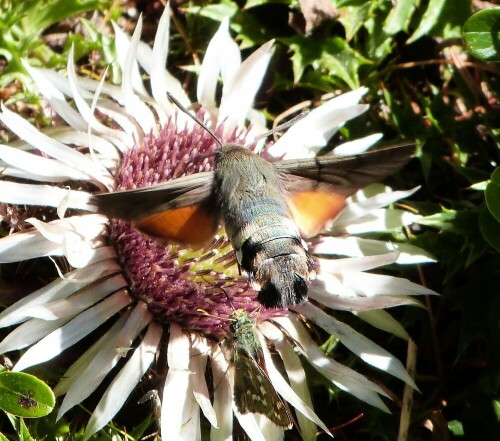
(267,243)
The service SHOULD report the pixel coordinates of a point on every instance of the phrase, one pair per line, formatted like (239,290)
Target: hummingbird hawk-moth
(267,208)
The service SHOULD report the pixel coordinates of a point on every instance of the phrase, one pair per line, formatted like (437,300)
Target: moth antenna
(279,128)
(223,290)
(194,118)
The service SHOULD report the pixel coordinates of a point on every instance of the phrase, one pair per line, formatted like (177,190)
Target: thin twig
(405,418)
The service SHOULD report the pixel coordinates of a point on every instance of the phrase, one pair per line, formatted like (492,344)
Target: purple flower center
(196,288)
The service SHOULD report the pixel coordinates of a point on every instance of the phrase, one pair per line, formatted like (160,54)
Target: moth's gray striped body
(257,219)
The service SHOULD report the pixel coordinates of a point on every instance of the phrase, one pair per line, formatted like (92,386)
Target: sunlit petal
(367,350)
(176,384)
(125,381)
(73,331)
(238,96)
(381,319)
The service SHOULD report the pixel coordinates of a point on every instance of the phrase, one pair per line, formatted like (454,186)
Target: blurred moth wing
(181,210)
(317,188)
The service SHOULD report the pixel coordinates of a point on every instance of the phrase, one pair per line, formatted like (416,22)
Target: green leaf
(45,14)
(456,428)
(430,18)
(3,437)
(333,57)
(24,433)
(353,17)
(400,16)
(482,33)
(25,395)
(253,3)
(492,194)
(490,228)
(217,11)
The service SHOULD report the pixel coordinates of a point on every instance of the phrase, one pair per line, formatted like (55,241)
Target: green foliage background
(423,87)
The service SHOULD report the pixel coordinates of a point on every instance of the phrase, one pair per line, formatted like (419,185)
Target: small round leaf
(25,395)
(482,34)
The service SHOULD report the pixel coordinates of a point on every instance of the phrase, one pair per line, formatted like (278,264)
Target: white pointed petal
(28,333)
(375,220)
(88,226)
(80,383)
(257,126)
(329,291)
(58,289)
(44,195)
(357,146)
(145,56)
(75,371)
(78,302)
(297,377)
(130,325)
(133,104)
(53,148)
(172,84)
(364,348)
(102,254)
(335,371)
(239,95)
(18,247)
(67,135)
(49,168)
(197,365)
(376,196)
(176,384)
(159,60)
(14,172)
(125,381)
(358,247)
(223,397)
(342,376)
(86,110)
(378,284)
(306,138)
(363,263)
(191,426)
(383,320)
(77,249)
(123,44)
(268,429)
(129,132)
(222,55)
(284,389)
(75,235)
(51,231)
(231,58)
(61,83)
(74,331)
(249,424)
(55,97)
(348,99)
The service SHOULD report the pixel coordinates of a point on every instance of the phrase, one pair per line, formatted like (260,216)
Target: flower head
(120,137)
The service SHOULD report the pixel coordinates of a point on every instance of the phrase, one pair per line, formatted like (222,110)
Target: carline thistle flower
(191,296)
